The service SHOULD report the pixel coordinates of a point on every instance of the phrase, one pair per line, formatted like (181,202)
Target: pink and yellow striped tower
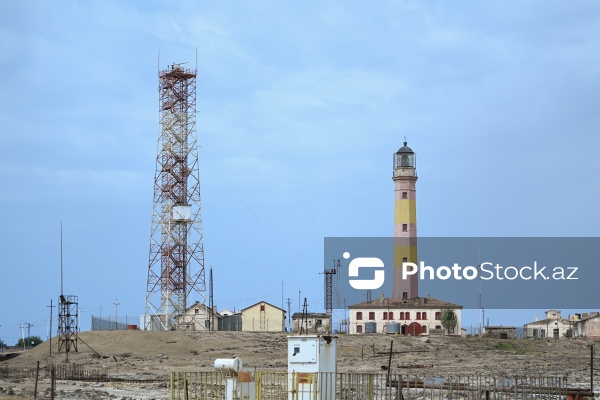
(405,222)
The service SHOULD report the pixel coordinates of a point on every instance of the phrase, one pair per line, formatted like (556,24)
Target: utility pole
(50,328)
(289,302)
(29,335)
(23,335)
(116,303)
(591,346)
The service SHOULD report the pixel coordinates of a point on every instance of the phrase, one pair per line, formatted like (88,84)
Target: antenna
(210,302)
(61,263)
(304,324)
(479,294)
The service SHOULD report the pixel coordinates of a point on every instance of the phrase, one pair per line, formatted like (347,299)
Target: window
(438,316)
(371,315)
(424,315)
(197,311)
(424,329)
(418,315)
(404,259)
(385,315)
(404,227)
(358,316)
(402,315)
(438,327)
(358,328)
(404,295)
(405,195)
(262,307)
(391,315)
(407,315)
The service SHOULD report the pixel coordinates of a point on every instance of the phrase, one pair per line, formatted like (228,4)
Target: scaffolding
(176,261)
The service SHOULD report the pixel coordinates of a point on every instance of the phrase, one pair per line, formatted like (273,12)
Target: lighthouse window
(404,227)
(405,195)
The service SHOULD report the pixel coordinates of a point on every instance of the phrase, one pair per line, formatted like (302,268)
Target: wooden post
(390,359)
(52,382)
(185,384)
(37,374)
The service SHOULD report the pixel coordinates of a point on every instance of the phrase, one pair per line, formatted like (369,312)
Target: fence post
(37,374)
(52,382)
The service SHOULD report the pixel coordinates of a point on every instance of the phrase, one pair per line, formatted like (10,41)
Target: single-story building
(199,317)
(501,332)
(263,317)
(315,322)
(553,326)
(588,325)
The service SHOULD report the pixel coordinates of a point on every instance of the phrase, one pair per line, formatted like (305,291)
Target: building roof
(549,321)
(586,318)
(266,302)
(299,315)
(405,149)
(491,327)
(227,311)
(197,304)
(417,302)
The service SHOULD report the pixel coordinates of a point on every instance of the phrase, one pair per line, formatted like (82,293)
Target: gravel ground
(141,355)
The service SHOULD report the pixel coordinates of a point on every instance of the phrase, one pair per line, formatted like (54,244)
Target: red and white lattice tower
(176,276)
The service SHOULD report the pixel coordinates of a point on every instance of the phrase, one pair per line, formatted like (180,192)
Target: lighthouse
(405,222)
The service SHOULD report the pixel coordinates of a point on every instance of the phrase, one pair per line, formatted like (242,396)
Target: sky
(300,107)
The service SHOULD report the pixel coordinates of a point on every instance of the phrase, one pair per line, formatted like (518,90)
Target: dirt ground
(142,355)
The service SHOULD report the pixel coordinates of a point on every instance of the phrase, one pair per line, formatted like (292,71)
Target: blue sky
(300,107)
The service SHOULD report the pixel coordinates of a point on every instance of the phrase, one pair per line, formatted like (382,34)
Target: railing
(269,385)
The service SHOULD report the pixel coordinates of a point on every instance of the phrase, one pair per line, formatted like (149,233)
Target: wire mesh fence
(268,385)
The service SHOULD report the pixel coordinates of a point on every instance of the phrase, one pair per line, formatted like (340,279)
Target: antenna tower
(68,310)
(329,286)
(176,262)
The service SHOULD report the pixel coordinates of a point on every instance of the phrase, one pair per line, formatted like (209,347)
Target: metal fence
(109,323)
(267,385)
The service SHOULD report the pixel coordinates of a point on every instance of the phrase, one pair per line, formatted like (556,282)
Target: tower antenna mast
(176,259)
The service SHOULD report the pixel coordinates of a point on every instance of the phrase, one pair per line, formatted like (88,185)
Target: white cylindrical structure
(231,364)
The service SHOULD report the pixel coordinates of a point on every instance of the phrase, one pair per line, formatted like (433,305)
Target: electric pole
(289,303)
(50,328)
(29,335)
(116,303)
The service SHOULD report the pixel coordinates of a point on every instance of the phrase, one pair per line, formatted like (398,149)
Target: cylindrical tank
(393,327)
(370,327)
(233,364)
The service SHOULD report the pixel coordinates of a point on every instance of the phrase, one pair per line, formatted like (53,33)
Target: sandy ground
(141,355)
